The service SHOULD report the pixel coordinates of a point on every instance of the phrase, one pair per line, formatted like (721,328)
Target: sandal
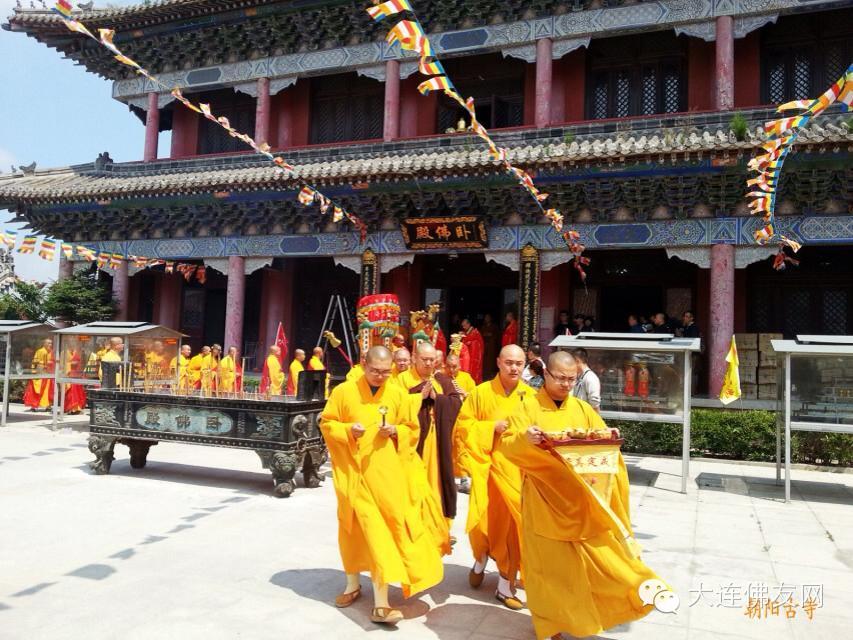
(510,602)
(386,615)
(346,599)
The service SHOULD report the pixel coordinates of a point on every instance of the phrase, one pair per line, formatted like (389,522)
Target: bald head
(425,359)
(377,354)
(451,364)
(561,376)
(377,366)
(561,359)
(510,365)
(512,351)
(402,360)
(318,352)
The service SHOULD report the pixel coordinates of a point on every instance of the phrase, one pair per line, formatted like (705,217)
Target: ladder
(337,311)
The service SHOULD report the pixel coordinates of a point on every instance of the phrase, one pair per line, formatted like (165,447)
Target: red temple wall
(700,75)
(748,70)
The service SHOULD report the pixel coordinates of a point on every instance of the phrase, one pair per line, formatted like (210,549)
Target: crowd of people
(658,322)
(408,424)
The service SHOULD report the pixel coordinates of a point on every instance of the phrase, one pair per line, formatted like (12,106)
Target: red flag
(281,343)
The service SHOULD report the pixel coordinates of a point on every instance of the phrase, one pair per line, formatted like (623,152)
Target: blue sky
(57,114)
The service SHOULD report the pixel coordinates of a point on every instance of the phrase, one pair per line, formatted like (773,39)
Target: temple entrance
(469,286)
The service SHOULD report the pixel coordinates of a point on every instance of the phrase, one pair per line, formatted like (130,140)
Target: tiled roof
(457,155)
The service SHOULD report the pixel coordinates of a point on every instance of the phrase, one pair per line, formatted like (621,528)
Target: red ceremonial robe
(474,341)
(510,334)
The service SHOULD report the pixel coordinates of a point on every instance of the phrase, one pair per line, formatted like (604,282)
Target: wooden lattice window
(632,76)
(239,108)
(346,108)
(495,83)
(802,55)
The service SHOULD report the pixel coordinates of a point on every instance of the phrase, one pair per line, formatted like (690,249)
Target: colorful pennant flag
(390,8)
(439,83)
(48,249)
(28,245)
(9,238)
(87,253)
(67,250)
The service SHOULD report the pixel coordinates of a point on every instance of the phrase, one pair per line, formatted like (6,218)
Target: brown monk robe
(440,404)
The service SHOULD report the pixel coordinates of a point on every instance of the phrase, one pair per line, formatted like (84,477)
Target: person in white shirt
(588,386)
(534,354)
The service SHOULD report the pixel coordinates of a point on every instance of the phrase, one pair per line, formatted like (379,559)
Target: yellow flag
(731,383)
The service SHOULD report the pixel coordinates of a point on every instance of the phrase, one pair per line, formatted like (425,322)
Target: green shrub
(739,126)
(735,435)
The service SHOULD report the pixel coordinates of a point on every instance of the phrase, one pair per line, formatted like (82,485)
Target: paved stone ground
(194,546)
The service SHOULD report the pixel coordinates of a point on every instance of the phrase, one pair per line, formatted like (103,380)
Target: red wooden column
(544,77)
(121,290)
(262,112)
(152,128)
(391,126)
(235,295)
(722,312)
(724,72)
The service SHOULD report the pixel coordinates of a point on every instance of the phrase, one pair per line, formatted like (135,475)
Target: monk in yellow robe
(296,367)
(210,370)
(462,379)
(194,368)
(438,404)
(230,372)
(387,516)
(582,567)
(357,371)
(316,364)
(178,367)
(272,377)
(39,392)
(114,354)
(402,361)
(494,508)
(156,369)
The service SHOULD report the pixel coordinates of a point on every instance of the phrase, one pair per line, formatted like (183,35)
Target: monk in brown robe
(440,404)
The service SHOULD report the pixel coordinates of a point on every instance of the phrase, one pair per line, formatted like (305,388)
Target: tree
(25,302)
(79,299)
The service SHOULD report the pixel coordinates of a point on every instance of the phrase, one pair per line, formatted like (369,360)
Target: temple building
(637,117)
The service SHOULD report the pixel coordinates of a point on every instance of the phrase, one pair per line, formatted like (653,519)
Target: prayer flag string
(409,32)
(309,193)
(781,135)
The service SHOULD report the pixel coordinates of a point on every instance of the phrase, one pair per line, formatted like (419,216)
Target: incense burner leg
(102,447)
(283,468)
(139,452)
(311,469)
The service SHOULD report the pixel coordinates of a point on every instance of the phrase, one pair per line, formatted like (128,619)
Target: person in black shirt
(688,325)
(563,328)
(661,323)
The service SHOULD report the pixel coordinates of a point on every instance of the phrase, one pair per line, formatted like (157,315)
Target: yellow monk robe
(228,375)
(181,363)
(293,379)
(194,370)
(355,373)
(407,380)
(209,373)
(39,391)
(582,568)
(389,521)
(465,382)
(276,375)
(494,507)
(155,366)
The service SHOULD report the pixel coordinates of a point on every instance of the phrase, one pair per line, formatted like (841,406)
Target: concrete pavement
(195,546)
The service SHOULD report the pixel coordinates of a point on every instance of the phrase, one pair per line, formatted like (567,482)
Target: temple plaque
(463,232)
